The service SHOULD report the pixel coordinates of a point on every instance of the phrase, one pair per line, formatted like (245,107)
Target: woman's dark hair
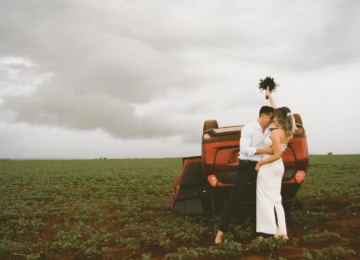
(285,120)
(266,110)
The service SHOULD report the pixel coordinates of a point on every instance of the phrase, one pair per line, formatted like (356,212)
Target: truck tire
(298,119)
(210,124)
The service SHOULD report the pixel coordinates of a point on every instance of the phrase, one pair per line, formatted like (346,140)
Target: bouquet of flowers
(267,84)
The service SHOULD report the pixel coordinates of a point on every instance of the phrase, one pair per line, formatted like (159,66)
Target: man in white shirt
(251,149)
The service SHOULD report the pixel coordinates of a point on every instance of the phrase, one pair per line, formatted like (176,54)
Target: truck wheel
(210,124)
(298,119)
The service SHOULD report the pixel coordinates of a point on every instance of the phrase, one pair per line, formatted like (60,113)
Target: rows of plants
(119,209)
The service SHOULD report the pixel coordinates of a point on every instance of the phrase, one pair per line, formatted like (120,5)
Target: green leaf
(319,255)
(146,256)
(309,255)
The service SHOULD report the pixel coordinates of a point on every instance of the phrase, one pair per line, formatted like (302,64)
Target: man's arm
(267,150)
(245,144)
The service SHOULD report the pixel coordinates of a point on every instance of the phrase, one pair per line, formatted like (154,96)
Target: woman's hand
(257,167)
(268,94)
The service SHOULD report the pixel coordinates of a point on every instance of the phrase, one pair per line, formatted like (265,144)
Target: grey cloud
(85,57)
(334,40)
(88,112)
(108,56)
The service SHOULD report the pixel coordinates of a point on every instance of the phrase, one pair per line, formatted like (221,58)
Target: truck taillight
(299,177)
(207,137)
(212,180)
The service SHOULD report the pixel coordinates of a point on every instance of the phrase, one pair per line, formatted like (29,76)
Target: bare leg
(278,232)
(218,237)
(281,229)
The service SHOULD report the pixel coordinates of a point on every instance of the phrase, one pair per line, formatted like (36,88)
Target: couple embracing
(260,161)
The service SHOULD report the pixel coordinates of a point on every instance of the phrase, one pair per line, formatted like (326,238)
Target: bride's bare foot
(218,237)
(260,238)
(285,237)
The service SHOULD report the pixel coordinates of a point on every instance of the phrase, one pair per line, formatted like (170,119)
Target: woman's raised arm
(272,103)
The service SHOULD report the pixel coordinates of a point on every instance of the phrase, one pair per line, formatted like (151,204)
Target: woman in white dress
(270,173)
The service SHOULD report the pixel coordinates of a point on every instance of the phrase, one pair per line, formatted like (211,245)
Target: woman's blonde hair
(285,120)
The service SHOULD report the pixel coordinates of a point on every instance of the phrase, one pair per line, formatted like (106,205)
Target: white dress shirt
(251,140)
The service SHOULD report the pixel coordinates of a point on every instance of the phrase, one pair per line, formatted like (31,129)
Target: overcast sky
(125,79)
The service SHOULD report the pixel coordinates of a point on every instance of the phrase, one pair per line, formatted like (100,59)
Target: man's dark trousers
(245,173)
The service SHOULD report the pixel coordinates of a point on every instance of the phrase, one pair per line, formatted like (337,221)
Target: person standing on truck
(251,150)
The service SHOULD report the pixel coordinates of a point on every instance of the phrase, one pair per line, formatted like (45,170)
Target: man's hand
(269,150)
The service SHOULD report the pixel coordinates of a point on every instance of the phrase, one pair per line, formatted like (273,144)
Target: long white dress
(268,196)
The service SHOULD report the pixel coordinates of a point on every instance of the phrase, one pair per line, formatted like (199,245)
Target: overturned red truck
(205,182)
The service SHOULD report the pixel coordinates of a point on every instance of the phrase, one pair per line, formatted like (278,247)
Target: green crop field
(119,209)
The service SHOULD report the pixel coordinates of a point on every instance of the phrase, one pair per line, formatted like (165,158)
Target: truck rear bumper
(298,179)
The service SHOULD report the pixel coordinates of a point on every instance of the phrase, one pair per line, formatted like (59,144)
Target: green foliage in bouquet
(268,82)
